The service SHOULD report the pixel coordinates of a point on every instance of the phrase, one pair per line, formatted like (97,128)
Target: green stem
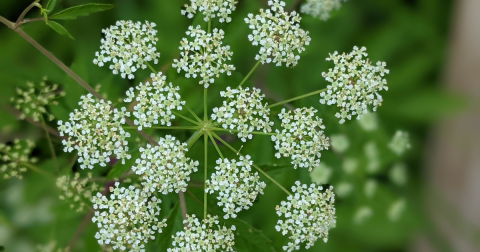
(249,74)
(151,68)
(237,131)
(215,144)
(297,98)
(184,117)
(167,128)
(193,114)
(52,150)
(254,165)
(209,29)
(7,22)
(20,18)
(38,170)
(205,104)
(193,139)
(205,177)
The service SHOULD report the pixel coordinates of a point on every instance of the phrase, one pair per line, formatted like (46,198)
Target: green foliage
(81,10)
(59,29)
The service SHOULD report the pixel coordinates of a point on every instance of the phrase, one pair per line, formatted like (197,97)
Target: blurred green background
(410,35)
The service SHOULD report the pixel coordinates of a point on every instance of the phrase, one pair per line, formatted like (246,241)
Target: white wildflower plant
(96,132)
(15,158)
(155,102)
(77,191)
(127,218)
(355,84)
(129,46)
(210,9)
(301,138)
(243,112)
(204,55)
(308,215)
(236,184)
(34,100)
(320,9)
(165,168)
(206,235)
(278,34)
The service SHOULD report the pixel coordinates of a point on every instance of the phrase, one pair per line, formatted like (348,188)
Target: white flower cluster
(400,142)
(309,214)
(95,131)
(14,157)
(33,101)
(278,33)
(204,56)
(301,138)
(355,83)
(129,46)
(237,186)
(165,168)
(78,191)
(211,9)
(243,111)
(154,102)
(127,219)
(205,236)
(320,8)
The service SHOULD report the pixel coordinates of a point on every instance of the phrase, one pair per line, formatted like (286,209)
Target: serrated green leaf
(119,169)
(164,240)
(51,5)
(59,29)
(248,238)
(81,10)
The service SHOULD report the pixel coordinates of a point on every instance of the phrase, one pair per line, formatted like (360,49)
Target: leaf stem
(38,170)
(249,74)
(193,113)
(205,104)
(167,127)
(297,98)
(184,117)
(151,68)
(215,144)
(193,139)
(20,18)
(52,150)
(205,177)
(254,165)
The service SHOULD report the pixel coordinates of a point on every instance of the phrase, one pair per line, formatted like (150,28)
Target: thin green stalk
(7,22)
(167,128)
(205,177)
(209,25)
(151,68)
(215,144)
(38,170)
(249,74)
(297,98)
(205,104)
(184,117)
(237,131)
(52,150)
(193,139)
(193,114)
(20,18)
(254,165)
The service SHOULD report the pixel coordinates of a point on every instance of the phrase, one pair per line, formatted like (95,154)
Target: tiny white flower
(128,46)
(207,235)
(236,184)
(127,217)
(243,111)
(211,9)
(95,131)
(14,157)
(204,56)
(355,84)
(165,168)
(155,102)
(302,138)
(308,215)
(278,34)
(320,8)
(77,191)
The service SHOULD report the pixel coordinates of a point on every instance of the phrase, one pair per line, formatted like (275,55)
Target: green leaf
(119,169)
(248,238)
(59,29)
(164,240)
(51,5)
(81,10)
